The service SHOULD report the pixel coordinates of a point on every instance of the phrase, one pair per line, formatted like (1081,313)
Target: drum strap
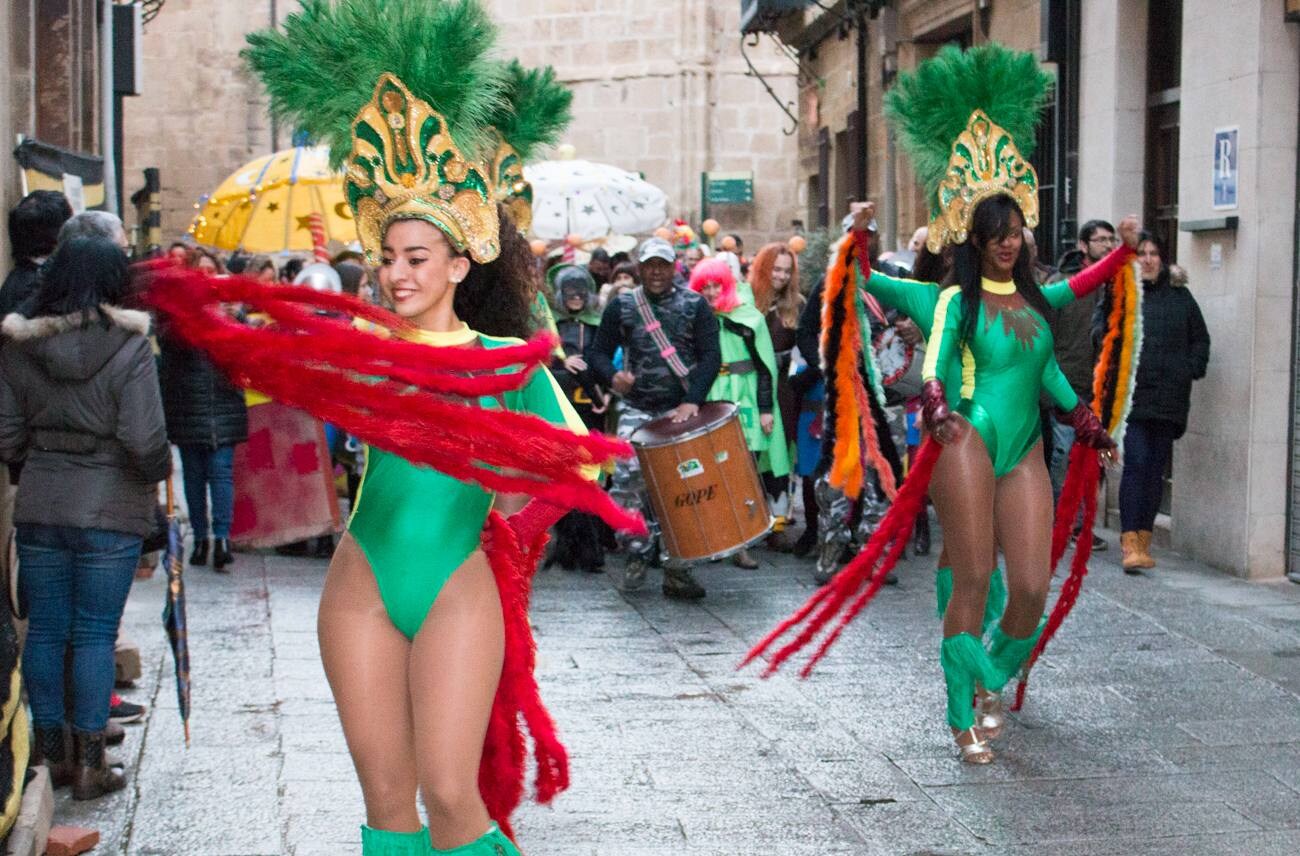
(656,330)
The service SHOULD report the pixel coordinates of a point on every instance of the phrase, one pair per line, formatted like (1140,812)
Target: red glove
(533,519)
(1088,429)
(1096,275)
(934,406)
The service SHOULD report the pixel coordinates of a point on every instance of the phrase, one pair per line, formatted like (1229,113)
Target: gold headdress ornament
(958,116)
(985,162)
(404,165)
(405,94)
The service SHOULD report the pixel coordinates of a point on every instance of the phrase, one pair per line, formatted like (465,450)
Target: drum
(702,482)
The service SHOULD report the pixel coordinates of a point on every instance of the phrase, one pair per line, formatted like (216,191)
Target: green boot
(993,605)
(381,842)
(1007,654)
(965,663)
(494,843)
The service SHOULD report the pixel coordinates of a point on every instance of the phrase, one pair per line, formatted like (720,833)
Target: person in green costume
(747,377)
(967,121)
(412,630)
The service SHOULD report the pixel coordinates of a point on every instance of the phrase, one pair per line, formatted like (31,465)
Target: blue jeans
(207,469)
(1062,442)
(74,582)
(1148,443)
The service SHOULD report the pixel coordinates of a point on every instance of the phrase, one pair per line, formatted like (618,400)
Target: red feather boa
(860,579)
(501,770)
(397,395)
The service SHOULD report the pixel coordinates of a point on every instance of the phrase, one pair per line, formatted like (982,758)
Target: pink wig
(716,271)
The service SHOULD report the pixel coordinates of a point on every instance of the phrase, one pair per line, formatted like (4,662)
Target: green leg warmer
(381,842)
(965,663)
(494,843)
(993,606)
(1008,654)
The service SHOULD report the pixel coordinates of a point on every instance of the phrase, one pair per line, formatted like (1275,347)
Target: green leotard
(416,525)
(1006,363)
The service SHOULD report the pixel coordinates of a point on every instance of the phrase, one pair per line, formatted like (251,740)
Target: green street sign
(727,188)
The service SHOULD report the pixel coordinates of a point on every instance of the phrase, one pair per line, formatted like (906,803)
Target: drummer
(671,356)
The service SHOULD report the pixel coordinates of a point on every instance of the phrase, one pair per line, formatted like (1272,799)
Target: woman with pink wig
(747,377)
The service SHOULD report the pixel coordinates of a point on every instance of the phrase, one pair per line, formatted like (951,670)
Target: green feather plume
(929,107)
(537,109)
(323,66)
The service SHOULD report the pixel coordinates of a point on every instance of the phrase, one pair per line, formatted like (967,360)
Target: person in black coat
(34,225)
(1175,352)
(206,418)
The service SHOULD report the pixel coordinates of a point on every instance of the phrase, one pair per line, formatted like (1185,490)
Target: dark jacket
(1175,352)
(203,408)
(21,283)
(1072,330)
(80,404)
(692,329)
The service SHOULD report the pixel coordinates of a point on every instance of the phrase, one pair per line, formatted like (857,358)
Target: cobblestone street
(1164,719)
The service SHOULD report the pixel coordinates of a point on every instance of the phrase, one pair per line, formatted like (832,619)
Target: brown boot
(1130,546)
(93,777)
(53,748)
(1144,549)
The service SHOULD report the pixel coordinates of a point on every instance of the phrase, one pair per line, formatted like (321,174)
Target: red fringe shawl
(397,395)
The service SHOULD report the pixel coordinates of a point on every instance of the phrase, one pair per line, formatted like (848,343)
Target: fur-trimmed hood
(66,347)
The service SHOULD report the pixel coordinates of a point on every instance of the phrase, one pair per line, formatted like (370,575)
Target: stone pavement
(1164,720)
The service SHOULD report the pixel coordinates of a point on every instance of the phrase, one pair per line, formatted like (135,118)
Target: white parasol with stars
(592,200)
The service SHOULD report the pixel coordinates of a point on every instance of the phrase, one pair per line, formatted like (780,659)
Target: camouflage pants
(835,510)
(627,488)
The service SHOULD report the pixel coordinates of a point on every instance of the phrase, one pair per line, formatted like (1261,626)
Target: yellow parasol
(266,205)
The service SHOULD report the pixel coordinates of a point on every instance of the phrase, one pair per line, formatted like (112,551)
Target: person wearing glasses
(1075,350)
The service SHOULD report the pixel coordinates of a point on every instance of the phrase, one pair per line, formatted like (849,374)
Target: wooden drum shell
(703,484)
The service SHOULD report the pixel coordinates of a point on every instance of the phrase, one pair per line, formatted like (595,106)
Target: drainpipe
(1293,570)
(861,190)
(107,131)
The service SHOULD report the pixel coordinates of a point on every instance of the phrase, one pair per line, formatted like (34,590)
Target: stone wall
(658,88)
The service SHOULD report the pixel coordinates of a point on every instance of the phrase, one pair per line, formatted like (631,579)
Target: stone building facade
(660,88)
(1145,88)
(49,53)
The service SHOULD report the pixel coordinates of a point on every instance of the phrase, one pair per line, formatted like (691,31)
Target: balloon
(729,244)
(710,227)
(797,244)
(573,239)
(319,276)
(663,233)
(538,246)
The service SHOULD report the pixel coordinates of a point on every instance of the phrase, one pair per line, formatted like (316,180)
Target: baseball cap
(656,248)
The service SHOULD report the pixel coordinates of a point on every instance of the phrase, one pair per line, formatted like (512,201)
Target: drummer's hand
(684,411)
(599,403)
(574,364)
(863,213)
(623,382)
(909,332)
(767,422)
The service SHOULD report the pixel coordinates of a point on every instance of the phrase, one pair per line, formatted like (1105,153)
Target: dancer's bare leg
(455,668)
(365,659)
(962,489)
(1023,511)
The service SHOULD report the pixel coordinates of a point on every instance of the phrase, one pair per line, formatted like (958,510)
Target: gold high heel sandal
(991,716)
(975,750)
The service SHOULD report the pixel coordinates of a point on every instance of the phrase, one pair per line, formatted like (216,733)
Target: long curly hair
(497,298)
(992,220)
(789,303)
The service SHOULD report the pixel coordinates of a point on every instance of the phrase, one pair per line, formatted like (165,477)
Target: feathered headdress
(535,112)
(403,92)
(967,120)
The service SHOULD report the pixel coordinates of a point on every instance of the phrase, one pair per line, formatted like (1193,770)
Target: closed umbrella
(174,609)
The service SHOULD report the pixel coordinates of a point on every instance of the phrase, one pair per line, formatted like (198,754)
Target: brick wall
(659,88)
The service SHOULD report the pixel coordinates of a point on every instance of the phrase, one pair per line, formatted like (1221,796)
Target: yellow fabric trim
(462,335)
(929,369)
(995,287)
(967,373)
(17,728)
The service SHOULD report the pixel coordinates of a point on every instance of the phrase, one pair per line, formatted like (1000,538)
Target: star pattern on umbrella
(589,209)
(304,222)
(273,207)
